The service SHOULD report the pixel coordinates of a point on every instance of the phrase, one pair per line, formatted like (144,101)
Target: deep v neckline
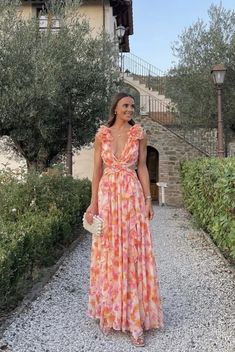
(125,146)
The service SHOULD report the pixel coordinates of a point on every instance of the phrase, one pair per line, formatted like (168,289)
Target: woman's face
(125,109)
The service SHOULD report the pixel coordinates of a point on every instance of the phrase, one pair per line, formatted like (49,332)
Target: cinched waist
(108,170)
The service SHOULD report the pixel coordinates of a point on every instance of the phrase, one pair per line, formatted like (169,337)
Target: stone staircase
(149,82)
(144,90)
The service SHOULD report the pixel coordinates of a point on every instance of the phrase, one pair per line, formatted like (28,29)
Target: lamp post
(120,30)
(218,74)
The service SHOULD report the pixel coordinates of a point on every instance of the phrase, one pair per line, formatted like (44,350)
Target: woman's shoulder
(103,133)
(137,131)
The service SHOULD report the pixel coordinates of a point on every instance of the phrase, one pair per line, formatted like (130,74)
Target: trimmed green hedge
(38,214)
(209,194)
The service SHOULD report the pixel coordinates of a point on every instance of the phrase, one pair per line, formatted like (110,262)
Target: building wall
(26,11)
(82,161)
(8,158)
(93,12)
(172,150)
(204,138)
(231,148)
(110,22)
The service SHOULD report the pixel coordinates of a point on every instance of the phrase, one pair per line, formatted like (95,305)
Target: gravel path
(197,290)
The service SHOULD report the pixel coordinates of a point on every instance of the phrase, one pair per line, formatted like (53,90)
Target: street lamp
(120,30)
(218,74)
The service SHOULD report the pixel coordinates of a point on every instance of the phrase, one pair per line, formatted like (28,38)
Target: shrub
(38,216)
(209,194)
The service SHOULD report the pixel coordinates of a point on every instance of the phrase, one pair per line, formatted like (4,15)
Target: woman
(124,289)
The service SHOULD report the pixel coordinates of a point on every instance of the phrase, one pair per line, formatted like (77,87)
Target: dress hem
(159,327)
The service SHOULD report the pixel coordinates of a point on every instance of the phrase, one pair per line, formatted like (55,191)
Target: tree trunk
(69,161)
(35,165)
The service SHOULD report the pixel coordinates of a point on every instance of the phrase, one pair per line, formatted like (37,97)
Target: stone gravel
(196,285)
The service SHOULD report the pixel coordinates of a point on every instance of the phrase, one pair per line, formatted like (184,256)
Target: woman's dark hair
(116,99)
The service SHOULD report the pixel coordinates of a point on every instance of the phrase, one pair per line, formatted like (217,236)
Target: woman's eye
(126,106)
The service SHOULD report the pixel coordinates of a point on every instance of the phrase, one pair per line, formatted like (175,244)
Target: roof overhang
(123,11)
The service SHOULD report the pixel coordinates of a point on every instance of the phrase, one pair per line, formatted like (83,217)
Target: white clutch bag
(96,227)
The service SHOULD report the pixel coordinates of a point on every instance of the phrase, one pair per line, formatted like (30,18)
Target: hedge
(209,194)
(38,215)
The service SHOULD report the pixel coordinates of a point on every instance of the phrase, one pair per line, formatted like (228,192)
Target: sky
(158,23)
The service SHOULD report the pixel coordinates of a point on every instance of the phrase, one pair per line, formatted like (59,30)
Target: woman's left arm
(144,177)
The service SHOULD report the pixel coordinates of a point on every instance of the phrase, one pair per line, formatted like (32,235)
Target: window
(46,20)
(39,10)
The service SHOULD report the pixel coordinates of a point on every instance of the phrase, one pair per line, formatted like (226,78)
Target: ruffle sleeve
(136,132)
(103,133)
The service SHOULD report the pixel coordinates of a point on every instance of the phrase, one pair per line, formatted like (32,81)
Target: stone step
(143,90)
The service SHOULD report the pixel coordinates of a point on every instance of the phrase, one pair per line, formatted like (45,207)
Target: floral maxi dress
(124,288)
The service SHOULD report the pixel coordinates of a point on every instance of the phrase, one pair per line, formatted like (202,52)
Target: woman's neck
(121,125)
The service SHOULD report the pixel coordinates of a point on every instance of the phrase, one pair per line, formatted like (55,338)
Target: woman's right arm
(97,174)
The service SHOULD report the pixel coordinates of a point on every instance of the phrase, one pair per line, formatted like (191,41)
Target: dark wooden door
(152,165)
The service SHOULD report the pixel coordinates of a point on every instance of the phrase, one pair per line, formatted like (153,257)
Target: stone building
(165,151)
(102,15)
(168,145)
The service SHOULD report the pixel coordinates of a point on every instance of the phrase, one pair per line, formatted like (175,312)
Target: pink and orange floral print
(124,289)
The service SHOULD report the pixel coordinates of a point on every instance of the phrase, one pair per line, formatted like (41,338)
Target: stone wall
(8,158)
(82,160)
(172,150)
(204,138)
(231,148)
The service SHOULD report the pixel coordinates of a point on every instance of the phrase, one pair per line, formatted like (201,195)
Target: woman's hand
(149,210)
(90,212)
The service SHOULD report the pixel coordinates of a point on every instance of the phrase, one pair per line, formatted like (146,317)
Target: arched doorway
(134,92)
(153,166)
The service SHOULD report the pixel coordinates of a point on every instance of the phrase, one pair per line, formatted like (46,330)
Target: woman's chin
(128,118)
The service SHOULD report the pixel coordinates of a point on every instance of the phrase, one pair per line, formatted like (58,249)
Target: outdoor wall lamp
(120,30)
(218,74)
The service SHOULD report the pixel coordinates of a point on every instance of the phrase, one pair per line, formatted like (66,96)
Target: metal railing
(200,137)
(139,69)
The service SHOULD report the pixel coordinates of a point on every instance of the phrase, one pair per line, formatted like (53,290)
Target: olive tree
(189,83)
(50,81)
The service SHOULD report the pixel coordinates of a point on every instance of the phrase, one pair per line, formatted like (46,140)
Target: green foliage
(209,194)
(190,84)
(46,78)
(38,217)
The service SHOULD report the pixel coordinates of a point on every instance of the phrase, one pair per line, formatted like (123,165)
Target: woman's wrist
(94,202)
(91,209)
(148,199)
